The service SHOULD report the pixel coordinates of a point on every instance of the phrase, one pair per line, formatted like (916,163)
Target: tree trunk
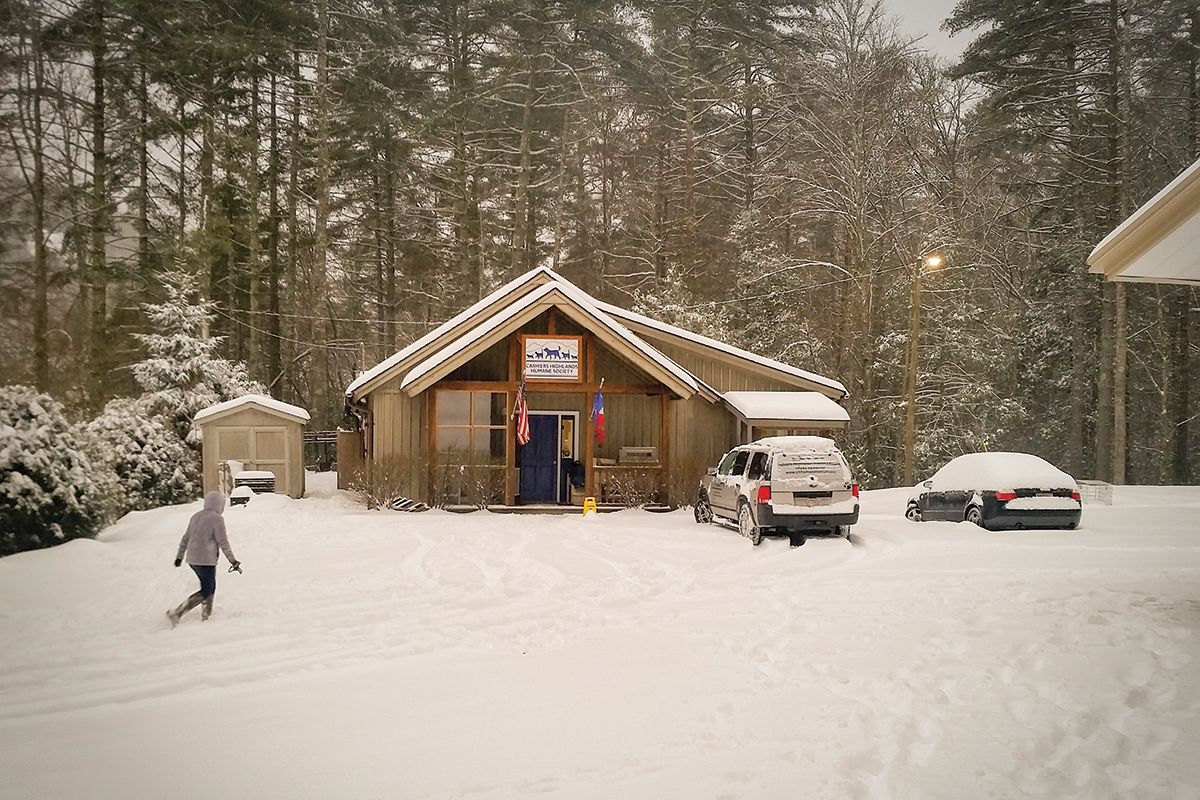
(254,360)
(321,400)
(272,358)
(522,254)
(98,267)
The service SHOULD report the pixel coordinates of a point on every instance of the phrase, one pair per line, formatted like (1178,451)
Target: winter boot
(206,611)
(184,607)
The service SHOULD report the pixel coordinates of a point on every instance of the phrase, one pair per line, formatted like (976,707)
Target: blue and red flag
(598,414)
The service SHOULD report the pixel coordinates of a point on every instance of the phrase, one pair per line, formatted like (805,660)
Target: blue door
(540,460)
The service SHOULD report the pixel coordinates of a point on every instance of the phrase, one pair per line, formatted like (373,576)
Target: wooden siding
(614,369)
(400,431)
(701,432)
(723,376)
(491,365)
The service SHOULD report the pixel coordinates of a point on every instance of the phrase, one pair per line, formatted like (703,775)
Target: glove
(235,566)
(178,561)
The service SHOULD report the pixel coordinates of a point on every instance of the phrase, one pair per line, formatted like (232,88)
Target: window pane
(499,408)
(454,408)
(454,439)
(482,412)
(497,444)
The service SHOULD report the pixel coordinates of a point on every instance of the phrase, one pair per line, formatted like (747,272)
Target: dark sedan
(998,491)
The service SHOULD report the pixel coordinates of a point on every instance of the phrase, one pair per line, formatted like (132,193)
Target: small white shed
(262,433)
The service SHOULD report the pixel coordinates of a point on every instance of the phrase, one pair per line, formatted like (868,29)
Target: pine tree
(182,373)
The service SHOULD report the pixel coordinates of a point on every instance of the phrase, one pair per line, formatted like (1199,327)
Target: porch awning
(1159,241)
(787,409)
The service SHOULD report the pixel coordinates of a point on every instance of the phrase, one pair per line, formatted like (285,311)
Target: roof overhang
(1160,242)
(787,409)
(438,338)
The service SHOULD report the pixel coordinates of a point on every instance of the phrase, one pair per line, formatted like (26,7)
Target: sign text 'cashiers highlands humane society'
(552,358)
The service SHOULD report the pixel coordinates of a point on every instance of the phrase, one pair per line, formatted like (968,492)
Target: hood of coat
(214,501)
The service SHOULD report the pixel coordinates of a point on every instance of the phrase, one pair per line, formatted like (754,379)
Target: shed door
(270,453)
(257,449)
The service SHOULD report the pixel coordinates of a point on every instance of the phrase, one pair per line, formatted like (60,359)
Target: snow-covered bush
(150,464)
(48,489)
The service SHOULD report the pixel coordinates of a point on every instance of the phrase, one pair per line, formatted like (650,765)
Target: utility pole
(932,262)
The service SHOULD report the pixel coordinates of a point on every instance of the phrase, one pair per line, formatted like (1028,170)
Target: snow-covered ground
(637,655)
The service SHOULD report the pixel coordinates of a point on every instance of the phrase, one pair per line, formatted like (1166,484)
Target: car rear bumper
(1009,519)
(810,519)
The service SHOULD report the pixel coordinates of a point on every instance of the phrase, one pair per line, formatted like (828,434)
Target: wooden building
(260,434)
(440,413)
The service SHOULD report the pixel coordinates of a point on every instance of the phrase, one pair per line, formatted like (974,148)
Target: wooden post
(510,438)
(664,450)
(589,442)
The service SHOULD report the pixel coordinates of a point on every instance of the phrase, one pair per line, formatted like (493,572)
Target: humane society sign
(552,358)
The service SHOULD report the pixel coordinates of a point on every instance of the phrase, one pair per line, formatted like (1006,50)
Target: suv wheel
(913,513)
(975,516)
(746,526)
(702,510)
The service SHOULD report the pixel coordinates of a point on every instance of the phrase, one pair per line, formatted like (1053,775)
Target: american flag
(521,412)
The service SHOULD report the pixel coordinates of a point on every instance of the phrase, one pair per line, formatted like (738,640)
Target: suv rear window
(825,467)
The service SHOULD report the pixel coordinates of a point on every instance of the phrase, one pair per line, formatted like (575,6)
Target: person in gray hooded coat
(203,542)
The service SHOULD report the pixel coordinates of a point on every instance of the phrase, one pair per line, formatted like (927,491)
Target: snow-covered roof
(504,321)
(998,471)
(430,339)
(687,338)
(1160,242)
(786,407)
(269,404)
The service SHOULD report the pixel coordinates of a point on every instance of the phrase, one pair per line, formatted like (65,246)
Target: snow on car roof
(992,471)
(797,444)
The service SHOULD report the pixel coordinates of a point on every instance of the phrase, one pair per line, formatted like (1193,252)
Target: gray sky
(924,17)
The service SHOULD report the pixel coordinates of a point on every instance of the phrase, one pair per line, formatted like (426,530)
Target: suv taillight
(764,494)
(1004,497)
(1076,497)
(854,489)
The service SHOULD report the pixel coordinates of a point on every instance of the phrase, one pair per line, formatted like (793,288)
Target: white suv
(785,484)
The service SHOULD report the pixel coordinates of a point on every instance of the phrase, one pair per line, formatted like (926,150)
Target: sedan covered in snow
(998,491)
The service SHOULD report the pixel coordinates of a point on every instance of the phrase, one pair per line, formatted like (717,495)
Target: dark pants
(207,573)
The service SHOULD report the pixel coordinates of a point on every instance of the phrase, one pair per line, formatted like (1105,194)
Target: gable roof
(490,331)
(1160,242)
(261,402)
(470,332)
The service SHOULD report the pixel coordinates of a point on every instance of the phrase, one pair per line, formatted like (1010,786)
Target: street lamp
(931,262)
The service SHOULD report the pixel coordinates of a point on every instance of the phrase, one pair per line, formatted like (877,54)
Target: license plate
(811,502)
